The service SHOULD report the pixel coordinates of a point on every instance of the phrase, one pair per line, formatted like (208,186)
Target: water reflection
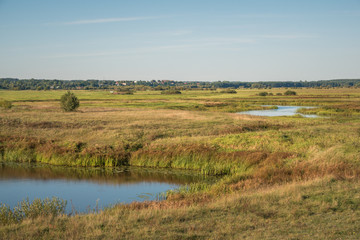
(280,111)
(84,187)
(99,175)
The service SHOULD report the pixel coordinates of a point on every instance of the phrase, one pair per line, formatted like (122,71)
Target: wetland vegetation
(286,177)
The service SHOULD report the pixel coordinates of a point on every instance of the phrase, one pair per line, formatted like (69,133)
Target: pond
(280,111)
(86,189)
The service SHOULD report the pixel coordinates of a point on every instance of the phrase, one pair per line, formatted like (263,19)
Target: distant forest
(44,84)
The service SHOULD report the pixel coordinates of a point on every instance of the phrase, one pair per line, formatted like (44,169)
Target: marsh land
(285,177)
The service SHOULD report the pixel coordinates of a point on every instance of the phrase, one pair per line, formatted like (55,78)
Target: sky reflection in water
(82,187)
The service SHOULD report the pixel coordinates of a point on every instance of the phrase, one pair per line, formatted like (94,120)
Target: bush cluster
(25,209)
(263,94)
(290,93)
(69,102)
(171,92)
(6,104)
(228,91)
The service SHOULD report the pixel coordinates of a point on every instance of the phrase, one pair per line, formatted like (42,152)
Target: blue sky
(180,40)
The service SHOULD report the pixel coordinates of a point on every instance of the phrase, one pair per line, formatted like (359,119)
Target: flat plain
(278,177)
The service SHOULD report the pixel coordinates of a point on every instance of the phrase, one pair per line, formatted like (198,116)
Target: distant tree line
(127,85)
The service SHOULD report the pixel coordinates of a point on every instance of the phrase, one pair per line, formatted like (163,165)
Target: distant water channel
(86,188)
(280,111)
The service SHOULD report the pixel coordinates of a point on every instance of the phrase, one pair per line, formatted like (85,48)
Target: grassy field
(281,177)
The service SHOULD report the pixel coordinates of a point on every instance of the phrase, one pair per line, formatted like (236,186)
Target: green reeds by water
(18,155)
(340,111)
(47,152)
(81,160)
(188,189)
(26,209)
(207,165)
(206,159)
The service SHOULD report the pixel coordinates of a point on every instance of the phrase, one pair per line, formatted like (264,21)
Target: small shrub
(171,92)
(290,93)
(69,102)
(279,94)
(263,94)
(6,104)
(229,91)
(124,91)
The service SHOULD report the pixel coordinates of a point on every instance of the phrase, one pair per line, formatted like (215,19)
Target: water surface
(281,111)
(84,188)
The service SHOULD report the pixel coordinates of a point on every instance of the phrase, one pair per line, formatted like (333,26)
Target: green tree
(69,102)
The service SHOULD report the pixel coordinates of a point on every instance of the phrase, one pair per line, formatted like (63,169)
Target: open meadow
(288,177)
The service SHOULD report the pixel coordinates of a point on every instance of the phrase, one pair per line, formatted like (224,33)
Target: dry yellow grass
(111,124)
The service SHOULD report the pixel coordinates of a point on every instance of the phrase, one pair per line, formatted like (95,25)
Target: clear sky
(243,40)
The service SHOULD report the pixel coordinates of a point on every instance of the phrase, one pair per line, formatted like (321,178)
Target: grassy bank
(320,209)
(275,171)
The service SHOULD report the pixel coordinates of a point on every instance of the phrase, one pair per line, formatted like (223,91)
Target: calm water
(281,111)
(82,188)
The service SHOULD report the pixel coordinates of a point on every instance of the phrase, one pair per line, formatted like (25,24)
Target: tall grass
(66,159)
(204,158)
(70,154)
(26,209)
